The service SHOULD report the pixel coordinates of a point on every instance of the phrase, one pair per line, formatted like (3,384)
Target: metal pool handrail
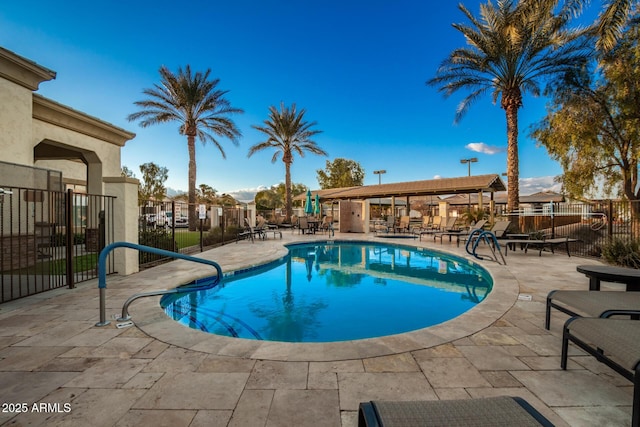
(478,235)
(102,277)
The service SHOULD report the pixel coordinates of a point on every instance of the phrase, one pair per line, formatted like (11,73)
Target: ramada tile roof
(432,187)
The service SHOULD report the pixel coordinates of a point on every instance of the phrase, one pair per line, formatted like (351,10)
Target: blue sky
(358,68)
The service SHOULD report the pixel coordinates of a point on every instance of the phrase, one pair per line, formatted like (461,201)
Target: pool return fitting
(102,279)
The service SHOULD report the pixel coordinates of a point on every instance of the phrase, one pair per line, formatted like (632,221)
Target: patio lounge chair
(386,226)
(246,234)
(593,304)
(540,244)
(437,227)
(403,226)
(460,233)
(254,231)
(491,411)
(327,225)
(614,342)
(500,228)
(265,228)
(424,225)
(450,226)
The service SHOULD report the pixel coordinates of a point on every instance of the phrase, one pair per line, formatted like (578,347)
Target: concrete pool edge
(151,319)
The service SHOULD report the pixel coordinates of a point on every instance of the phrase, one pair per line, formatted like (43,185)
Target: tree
(340,173)
(199,107)
(274,197)
(612,22)
(288,133)
(206,194)
(126,172)
(511,49)
(593,124)
(153,179)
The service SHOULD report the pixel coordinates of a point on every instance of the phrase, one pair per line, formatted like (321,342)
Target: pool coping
(151,319)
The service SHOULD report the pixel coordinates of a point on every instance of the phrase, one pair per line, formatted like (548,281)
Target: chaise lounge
(593,304)
(614,342)
(484,412)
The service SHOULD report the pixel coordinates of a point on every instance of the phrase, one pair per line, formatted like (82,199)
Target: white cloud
(437,177)
(481,147)
(537,184)
(246,194)
(171,192)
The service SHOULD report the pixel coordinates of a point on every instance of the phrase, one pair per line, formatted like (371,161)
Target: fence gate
(50,239)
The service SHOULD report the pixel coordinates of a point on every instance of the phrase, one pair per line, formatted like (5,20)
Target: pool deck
(163,374)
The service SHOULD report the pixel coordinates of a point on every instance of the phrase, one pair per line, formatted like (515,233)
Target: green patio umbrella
(308,206)
(318,206)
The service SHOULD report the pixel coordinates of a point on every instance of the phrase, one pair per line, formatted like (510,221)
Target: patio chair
(246,234)
(435,226)
(614,342)
(303,225)
(593,304)
(539,244)
(387,226)
(448,227)
(403,226)
(265,228)
(425,224)
(327,225)
(499,228)
(256,232)
(483,412)
(460,233)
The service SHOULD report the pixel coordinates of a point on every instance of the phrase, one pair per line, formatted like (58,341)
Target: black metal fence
(50,239)
(593,224)
(165,225)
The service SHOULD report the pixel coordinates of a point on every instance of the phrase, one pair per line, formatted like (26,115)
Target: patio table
(609,273)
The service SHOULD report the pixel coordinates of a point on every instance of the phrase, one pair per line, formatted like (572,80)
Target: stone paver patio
(163,374)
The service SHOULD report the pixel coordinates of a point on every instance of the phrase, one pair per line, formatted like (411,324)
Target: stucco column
(444,211)
(94,178)
(125,220)
(366,215)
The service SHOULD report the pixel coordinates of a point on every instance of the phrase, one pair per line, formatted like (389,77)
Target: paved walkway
(162,374)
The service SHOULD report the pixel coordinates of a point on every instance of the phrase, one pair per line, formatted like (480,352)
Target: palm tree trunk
(513,173)
(287,188)
(191,144)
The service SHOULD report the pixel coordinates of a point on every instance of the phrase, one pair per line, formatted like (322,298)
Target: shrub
(215,235)
(622,252)
(473,215)
(156,238)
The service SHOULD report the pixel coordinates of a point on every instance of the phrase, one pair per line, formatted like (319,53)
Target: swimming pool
(336,291)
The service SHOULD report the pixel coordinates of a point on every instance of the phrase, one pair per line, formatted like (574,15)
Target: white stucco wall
(15,122)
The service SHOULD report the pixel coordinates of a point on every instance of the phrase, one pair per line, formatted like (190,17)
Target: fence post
(173,226)
(609,218)
(553,222)
(69,238)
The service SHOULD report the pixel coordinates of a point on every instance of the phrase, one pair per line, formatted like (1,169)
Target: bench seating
(614,342)
(593,303)
(539,244)
(484,412)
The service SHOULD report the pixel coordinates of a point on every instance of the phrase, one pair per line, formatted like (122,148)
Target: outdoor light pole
(468,162)
(379,173)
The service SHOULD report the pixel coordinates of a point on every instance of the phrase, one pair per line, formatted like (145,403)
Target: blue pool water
(336,291)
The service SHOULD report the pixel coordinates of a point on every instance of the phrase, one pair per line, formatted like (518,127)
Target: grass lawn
(186,238)
(59,266)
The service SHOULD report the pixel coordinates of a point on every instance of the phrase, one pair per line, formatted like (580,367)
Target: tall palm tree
(612,20)
(199,107)
(288,133)
(512,48)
